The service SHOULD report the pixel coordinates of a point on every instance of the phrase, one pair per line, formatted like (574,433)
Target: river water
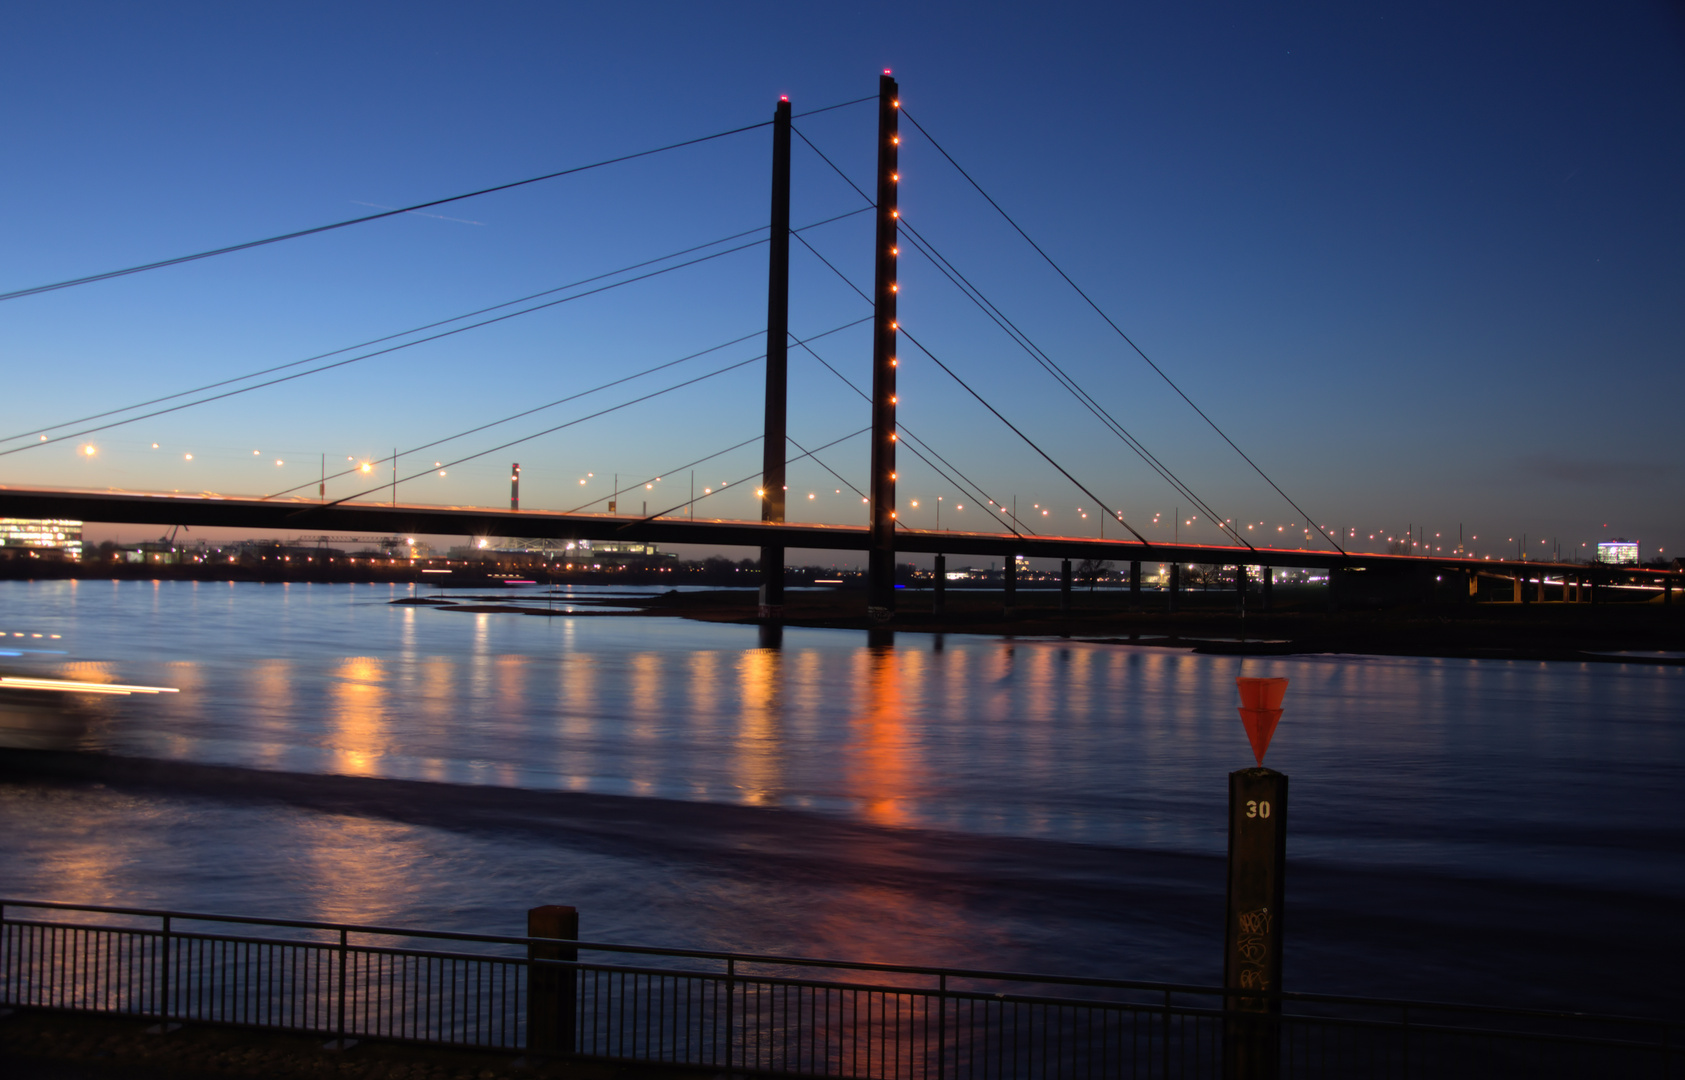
(1465,830)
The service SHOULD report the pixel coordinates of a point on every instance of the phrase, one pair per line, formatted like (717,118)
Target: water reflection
(1096,744)
(357,728)
(760,737)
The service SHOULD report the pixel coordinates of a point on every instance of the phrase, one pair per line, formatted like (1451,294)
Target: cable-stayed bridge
(884,535)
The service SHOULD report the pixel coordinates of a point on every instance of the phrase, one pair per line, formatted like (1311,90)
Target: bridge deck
(210,510)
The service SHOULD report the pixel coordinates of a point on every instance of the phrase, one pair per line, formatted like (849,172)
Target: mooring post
(1135,585)
(552,992)
(1252,931)
(1064,586)
(1010,592)
(880,565)
(777,365)
(939,595)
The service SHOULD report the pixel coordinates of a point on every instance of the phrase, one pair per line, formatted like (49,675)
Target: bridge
(881,538)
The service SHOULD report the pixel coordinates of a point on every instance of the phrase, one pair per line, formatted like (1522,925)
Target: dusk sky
(1424,263)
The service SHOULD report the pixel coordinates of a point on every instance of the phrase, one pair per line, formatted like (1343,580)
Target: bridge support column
(1240,588)
(1175,587)
(1269,588)
(1135,585)
(880,567)
(939,601)
(1541,594)
(1064,586)
(1516,590)
(773,451)
(1010,594)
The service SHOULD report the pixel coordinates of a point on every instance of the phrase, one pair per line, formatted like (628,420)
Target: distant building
(575,554)
(43,536)
(1617,551)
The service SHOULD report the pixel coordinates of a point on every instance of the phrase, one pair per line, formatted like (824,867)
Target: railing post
(163,1026)
(552,991)
(1164,1037)
(339,1019)
(1405,1024)
(941,1026)
(730,1013)
(164,979)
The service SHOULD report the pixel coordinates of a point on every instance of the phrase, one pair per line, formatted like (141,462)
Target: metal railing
(759,1014)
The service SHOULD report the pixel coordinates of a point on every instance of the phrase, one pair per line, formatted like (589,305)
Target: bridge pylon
(880,565)
(777,365)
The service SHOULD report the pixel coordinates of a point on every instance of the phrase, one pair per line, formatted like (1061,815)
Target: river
(1496,831)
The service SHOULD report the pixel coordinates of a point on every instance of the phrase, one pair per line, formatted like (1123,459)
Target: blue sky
(1421,261)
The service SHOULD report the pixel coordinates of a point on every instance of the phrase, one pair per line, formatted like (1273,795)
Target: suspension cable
(178,260)
(1119,330)
(1032,443)
(563,401)
(746,479)
(379,352)
(535,435)
(415,330)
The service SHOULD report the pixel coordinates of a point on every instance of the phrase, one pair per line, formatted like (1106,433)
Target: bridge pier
(1135,585)
(1516,589)
(939,595)
(1269,588)
(1175,587)
(1064,586)
(1541,596)
(1010,596)
(1240,588)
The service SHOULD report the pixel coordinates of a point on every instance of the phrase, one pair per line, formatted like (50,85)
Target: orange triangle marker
(1260,711)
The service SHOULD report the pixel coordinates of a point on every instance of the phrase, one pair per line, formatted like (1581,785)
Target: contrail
(417,213)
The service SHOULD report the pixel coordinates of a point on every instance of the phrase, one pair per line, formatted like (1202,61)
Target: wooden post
(552,992)
(1252,932)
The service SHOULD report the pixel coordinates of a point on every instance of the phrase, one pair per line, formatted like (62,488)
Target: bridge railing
(759,1014)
